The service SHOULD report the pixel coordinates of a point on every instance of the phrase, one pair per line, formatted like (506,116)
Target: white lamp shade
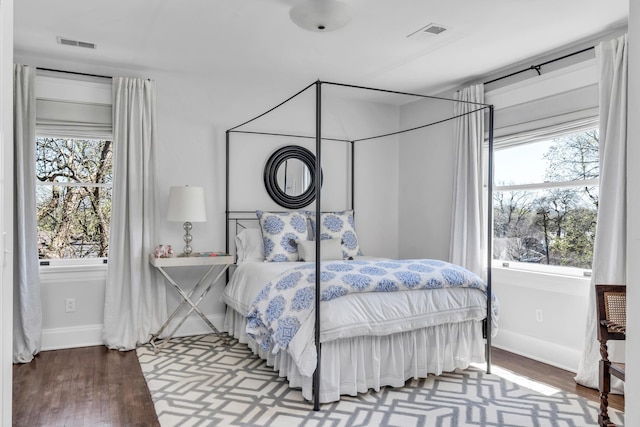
(186,204)
(320,15)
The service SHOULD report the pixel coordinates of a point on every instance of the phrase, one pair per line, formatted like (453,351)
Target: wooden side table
(195,295)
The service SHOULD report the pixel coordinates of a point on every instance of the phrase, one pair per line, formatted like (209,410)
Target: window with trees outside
(546,201)
(73,197)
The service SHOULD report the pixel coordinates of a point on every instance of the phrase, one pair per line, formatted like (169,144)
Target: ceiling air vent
(428,31)
(69,42)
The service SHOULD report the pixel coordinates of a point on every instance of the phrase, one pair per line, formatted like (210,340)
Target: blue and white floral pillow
(280,230)
(339,225)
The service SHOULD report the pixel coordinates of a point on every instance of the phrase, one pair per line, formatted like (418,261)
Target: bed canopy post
(318,171)
(353,176)
(226,198)
(489,234)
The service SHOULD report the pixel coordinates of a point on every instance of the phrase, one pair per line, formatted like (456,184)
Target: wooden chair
(612,325)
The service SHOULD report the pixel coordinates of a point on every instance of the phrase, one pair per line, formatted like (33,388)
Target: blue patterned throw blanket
(286,303)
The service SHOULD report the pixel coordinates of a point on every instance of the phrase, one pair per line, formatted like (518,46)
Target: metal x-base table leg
(193,306)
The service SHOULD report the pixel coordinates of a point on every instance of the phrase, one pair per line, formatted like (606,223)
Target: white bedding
(372,313)
(371,339)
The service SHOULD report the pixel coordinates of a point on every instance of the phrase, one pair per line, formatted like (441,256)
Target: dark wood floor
(90,386)
(94,386)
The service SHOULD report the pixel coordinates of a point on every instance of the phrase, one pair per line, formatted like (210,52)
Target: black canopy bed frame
(314,192)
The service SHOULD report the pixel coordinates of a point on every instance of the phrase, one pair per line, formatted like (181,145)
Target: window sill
(541,280)
(55,273)
(553,270)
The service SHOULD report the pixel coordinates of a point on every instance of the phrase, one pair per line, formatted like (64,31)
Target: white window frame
(544,268)
(72,264)
(52,86)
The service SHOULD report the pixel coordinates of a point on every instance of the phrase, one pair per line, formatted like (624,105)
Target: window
(73,197)
(546,200)
(73,170)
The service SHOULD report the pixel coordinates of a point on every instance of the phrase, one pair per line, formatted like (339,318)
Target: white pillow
(249,246)
(339,226)
(280,230)
(330,249)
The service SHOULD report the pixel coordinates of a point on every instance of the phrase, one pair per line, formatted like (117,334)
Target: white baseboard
(91,335)
(553,354)
(73,337)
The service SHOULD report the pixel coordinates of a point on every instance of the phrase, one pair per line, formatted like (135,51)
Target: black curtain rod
(539,66)
(74,72)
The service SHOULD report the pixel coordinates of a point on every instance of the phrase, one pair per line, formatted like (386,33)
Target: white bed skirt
(356,365)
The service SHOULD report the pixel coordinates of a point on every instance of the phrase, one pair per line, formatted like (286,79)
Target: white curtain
(467,231)
(27,310)
(135,300)
(609,252)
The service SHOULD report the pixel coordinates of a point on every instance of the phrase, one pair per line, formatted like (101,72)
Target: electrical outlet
(70,305)
(539,315)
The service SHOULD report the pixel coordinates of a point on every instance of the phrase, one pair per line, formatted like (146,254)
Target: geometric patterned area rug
(197,381)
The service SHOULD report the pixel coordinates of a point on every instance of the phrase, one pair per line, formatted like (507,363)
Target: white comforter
(359,314)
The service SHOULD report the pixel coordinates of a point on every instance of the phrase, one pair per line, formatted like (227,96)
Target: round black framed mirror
(290,176)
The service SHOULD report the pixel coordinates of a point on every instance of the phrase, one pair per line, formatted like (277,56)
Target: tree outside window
(548,217)
(73,197)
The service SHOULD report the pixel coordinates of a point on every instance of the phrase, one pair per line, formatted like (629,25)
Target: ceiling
(253,42)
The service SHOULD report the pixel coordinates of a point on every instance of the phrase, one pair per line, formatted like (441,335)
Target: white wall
(6,208)
(82,327)
(542,316)
(632,385)
(426,180)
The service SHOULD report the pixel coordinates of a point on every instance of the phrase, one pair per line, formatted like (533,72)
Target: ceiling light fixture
(320,15)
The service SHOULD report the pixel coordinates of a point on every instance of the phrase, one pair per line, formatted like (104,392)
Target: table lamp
(186,204)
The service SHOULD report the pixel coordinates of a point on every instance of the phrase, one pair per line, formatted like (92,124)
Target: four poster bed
(349,323)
